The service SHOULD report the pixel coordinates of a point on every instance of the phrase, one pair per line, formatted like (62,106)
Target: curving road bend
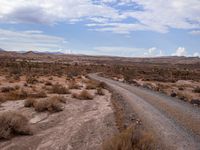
(175,123)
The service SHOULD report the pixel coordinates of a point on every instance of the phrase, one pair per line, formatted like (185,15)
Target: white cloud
(52,11)
(153,15)
(153,52)
(195,32)
(196,54)
(127,51)
(30,40)
(180,51)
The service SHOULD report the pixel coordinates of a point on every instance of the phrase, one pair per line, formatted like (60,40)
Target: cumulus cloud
(153,52)
(180,51)
(31,40)
(107,15)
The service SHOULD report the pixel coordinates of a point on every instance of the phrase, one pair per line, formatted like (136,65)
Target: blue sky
(135,28)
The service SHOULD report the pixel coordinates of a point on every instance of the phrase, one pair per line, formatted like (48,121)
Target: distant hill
(38,52)
(105,60)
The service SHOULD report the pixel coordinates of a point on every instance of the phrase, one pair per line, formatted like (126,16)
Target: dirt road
(175,124)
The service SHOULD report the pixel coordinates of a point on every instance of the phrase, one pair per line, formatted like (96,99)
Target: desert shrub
(2,98)
(196,90)
(25,84)
(60,89)
(99,91)
(7,89)
(16,95)
(31,80)
(102,85)
(48,83)
(12,123)
(130,139)
(84,95)
(50,78)
(91,84)
(61,99)
(195,102)
(73,85)
(51,105)
(29,102)
(40,94)
(16,77)
(181,88)
(40,106)
(17,87)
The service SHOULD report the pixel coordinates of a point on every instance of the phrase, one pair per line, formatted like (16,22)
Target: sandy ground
(82,125)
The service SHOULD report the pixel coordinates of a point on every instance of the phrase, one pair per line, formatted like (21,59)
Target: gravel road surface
(176,124)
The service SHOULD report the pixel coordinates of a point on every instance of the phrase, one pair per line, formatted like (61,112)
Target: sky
(129,28)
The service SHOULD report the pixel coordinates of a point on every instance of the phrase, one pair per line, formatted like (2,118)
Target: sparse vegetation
(16,95)
(51,105)
(60,89)
(84,95)
(12,123)
(29,102)
(7,89)
(61,99)
(196,90)
(73,85)
(130,139)
(48,83)
(2,98)
(100,91)
(92,84)
(40,94)
(31,80)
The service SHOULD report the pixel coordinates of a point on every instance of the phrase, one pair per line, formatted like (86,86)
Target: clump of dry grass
(73,85)
(29,102)
(61,99)
(130,139)
(17,87)
(12,123)
(100,91)
(196,90)
(84,95)
(40,94)
(7,89)
(50,78)
(2,98)
(48,83)
(60,89)
(91,84)
(52,105)
(31,80)
(16,95)
(102,85)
